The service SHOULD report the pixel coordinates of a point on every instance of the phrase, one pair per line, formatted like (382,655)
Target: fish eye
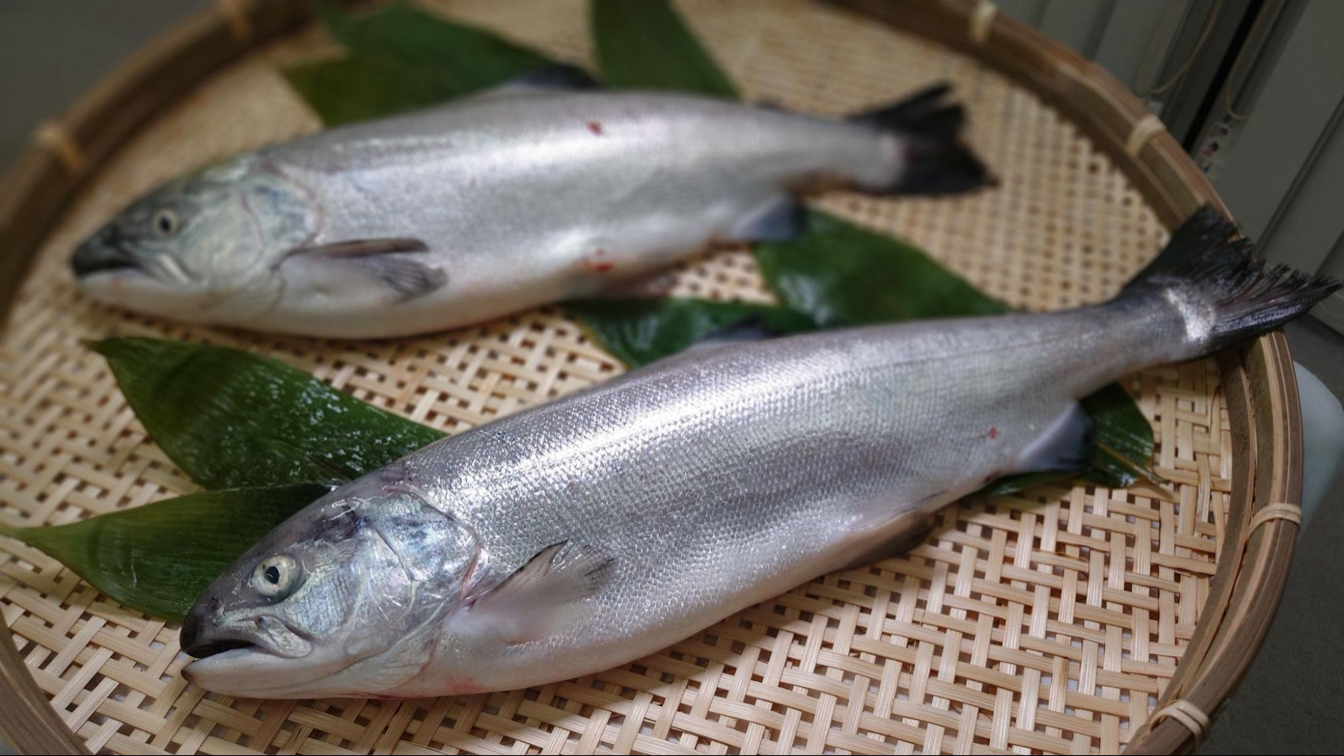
(165,222)
(275,576)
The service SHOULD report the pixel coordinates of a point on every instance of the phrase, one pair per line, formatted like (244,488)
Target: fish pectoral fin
(345,266)
(543,596)
(1066,445)
(361,248)
(780,218)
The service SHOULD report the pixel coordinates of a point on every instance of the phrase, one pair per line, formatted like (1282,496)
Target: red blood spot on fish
(993,432)
(595,127)
(598,266)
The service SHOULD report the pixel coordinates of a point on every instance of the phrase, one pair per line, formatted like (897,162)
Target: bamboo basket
(1059,621)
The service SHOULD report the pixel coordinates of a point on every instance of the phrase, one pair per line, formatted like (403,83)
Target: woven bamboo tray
(1061,621)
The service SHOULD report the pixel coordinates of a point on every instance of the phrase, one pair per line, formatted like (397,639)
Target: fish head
(344,598)
(202,245)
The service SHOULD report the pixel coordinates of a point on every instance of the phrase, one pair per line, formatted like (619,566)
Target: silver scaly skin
(490,205)
(597,529)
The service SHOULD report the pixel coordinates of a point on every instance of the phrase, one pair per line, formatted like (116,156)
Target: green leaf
(645,45)
(232,419)
(1124,446)
(640,331)
(475,58)
(159,557)
(400,59)
(361,87)
(1124,438)
(841,274)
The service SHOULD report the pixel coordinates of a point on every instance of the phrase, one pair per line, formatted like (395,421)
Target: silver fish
(597,529)
(494,204)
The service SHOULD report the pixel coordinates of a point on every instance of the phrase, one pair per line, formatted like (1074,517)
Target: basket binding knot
(1142,133)
(982,21)
(1189,715)
(1276,511)
(236,18)
(56,140)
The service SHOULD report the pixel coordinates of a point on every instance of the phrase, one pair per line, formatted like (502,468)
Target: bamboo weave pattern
(1047,622)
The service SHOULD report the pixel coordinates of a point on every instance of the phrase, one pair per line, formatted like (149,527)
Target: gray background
(51,52)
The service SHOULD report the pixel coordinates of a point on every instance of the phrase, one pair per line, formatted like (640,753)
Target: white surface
(1322,439)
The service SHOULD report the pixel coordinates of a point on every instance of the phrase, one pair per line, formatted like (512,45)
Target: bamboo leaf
(640,331)
(159,557)
(232,419)
(1124,438)
(475,58)
(361,87)
(841,274)
(400,58)
(645,45)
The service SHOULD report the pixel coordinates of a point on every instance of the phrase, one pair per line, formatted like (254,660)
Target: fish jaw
(254,672)
(135,289)
(251,671)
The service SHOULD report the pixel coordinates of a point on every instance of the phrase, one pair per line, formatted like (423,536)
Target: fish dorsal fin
(540,598)
(344,266)
(555,77)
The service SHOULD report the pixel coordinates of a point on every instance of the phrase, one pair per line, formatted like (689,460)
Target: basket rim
(1257,380)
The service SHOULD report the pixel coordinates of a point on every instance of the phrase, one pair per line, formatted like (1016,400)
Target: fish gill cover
(268,439)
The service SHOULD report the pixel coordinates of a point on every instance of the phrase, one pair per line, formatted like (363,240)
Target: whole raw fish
(494,204)
(597,529)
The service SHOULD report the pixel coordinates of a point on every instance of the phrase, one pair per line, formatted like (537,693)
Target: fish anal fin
(1065,445)
(891,539)
(648,286)
(780,218)
(541,598)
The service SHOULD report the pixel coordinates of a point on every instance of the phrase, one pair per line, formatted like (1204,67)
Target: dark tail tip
(937,161)
(1216,267)
(941,167)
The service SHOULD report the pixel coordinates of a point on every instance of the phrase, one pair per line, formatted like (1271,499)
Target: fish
(515,198)
(602,527)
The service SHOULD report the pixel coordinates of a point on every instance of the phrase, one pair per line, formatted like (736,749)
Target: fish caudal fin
(1222,292)
(936,161)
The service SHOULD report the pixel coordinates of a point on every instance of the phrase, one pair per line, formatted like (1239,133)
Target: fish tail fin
(1209,275)
(935,160)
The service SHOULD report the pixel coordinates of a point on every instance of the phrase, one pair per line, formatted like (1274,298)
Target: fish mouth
(101,254)
(250,670)
(207,649)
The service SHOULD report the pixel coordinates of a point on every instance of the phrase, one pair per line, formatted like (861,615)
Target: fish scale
(597,529)
(493,204)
